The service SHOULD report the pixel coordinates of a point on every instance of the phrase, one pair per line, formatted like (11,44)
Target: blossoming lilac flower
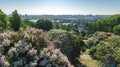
(11,51)
(6,64)
(3,62)
(6,42)
(32,52)
(48,54)
(26,48)
(54,57)
(2,59)
(18,45)
(26,35)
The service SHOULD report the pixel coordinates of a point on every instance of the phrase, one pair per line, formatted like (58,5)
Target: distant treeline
(64,17)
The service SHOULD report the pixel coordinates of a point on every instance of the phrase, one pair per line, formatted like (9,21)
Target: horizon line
(64,14)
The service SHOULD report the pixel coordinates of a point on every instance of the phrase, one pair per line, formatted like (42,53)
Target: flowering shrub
(29,48)
(67,41)
(97,38)
(109,50)
(53,58)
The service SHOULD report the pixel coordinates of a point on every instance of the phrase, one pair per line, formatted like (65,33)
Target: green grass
(89,62)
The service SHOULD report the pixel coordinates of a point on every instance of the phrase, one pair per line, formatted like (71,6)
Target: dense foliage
(107,48)
(3,20)
(96,38)
(105,25)
(68,42)
(116,29)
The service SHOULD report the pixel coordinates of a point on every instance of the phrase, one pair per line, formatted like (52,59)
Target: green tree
(15,20)
(3,20)
(44,24)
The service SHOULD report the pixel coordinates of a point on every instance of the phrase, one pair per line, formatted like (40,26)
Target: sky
(61,7)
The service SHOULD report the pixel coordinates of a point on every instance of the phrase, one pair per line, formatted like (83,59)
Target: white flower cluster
(32,52)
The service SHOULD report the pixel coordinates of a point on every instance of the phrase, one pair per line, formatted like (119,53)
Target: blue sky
(57,7)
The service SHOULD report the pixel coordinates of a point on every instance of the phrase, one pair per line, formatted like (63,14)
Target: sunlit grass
(88,61)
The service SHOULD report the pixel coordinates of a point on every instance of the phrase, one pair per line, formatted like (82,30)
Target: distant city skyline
(61,7)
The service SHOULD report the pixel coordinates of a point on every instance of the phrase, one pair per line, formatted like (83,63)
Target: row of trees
(110,24)
(15,22)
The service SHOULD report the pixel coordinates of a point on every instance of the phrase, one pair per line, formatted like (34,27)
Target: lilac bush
(29,48)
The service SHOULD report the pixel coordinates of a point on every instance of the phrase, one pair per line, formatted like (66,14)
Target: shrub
(68,42)
(96,38)
(108,51)
(116,29)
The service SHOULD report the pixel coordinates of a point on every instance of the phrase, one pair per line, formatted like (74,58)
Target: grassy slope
(88,61)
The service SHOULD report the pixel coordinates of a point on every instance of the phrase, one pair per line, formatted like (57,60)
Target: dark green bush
(44,24)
